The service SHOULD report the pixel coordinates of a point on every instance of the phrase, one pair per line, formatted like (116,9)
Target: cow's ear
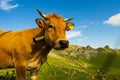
(69,26)
(40,22)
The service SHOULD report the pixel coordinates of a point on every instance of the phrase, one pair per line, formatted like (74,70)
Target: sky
(97,22)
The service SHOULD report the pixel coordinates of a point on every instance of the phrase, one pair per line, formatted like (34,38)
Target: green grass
(60,70)
(7,74)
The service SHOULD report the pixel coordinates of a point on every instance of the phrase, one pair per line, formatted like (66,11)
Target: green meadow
(77,63)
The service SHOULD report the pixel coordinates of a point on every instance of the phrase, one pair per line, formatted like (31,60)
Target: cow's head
(55,30)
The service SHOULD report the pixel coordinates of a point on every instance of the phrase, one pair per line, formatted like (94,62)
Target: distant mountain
(87,63)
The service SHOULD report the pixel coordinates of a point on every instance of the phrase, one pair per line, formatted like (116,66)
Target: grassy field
(77,63)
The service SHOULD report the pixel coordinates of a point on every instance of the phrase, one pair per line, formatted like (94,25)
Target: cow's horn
(43,15)
(68,19)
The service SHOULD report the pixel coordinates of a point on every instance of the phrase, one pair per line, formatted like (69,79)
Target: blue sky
(97,22)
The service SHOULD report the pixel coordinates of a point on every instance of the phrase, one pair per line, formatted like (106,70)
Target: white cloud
(113,20)
(72,34)
(5,5)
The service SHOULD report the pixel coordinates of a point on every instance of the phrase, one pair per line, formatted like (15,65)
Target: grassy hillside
(79,63)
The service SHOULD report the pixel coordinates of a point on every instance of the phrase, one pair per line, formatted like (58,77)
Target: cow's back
(7,39)
(2,31)
(5,59)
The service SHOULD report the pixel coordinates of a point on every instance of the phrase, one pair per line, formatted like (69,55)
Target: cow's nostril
(64,43)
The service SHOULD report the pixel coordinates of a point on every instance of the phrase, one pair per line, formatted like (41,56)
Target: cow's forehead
(55,17)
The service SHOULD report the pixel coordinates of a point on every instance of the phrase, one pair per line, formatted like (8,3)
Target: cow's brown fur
(18,50)
(1,31)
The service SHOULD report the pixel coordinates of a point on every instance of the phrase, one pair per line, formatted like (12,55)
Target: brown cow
(27,50)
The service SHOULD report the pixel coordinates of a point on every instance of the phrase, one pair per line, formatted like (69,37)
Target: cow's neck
(38,33)
(40,48)
(39,52)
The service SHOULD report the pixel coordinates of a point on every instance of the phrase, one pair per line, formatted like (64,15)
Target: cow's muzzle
(62,44)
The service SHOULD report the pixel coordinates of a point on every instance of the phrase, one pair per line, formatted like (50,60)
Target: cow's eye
(50,26)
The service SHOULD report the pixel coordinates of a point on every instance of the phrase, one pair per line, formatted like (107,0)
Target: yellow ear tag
(71,27)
